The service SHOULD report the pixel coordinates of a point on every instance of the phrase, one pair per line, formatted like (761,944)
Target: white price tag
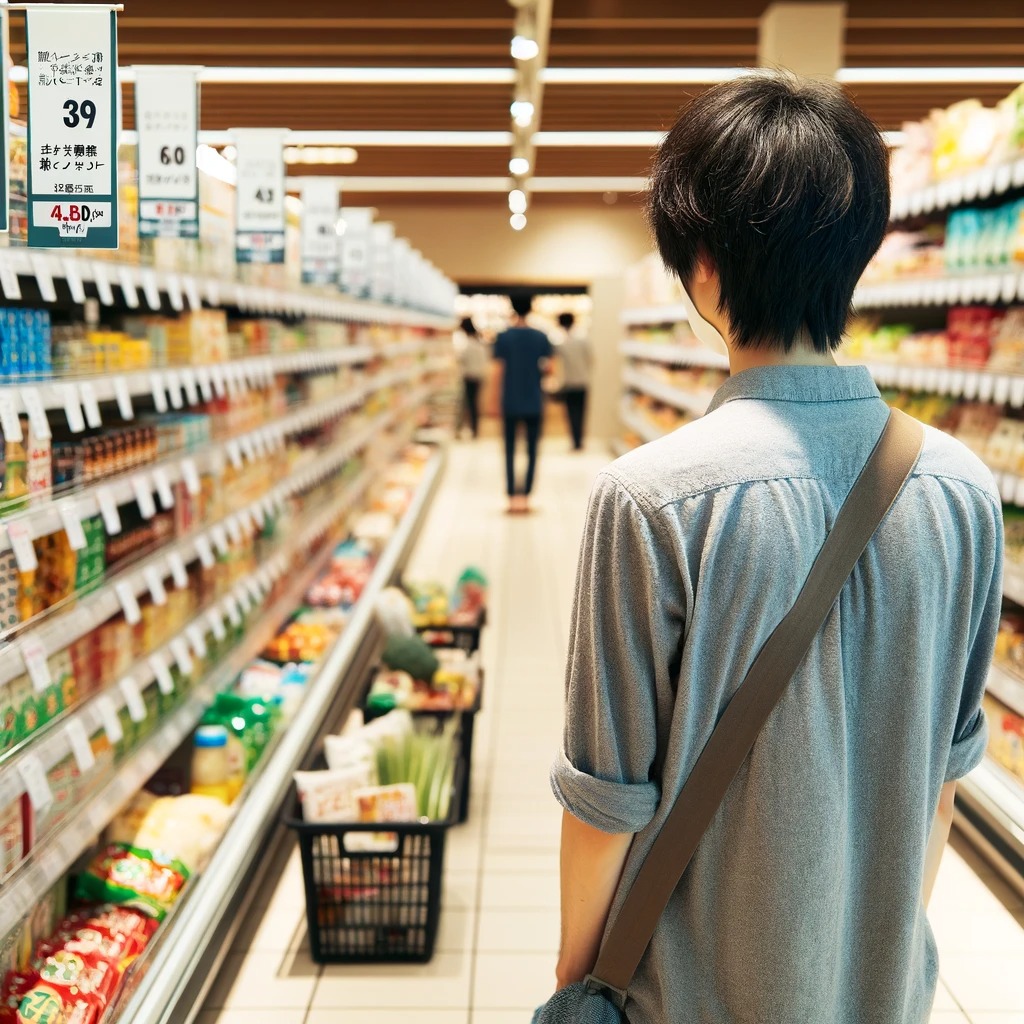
(244,599)
(174,292)
(191,287)
(34,656)
(108,718)
(80,746)
(9,282)
(73,276)
(174,389)
(133,699)
(205,383)
(126,279)
(258,517)
(266,581)
(205,552)
(155,582)
(72,523)
(246,521)
(181,655)
(72,408)
(267,505)
(21,543)
(216,620)
(36,413)
(178,572)
(108,509)
(91,405)
(197,640)
(189,383)
(191,476)
(150,289)
(162,483)
(124,398)
(234,613)
(253,587)
(213,291)
(234,451)
(36,784)
(10,422)
(234,529)
(162,674)
(248,448)
(220,538)
(1017,392)
(218,377)
(144,495)
(156,381)
(129,602)
(44,276)
(102,279)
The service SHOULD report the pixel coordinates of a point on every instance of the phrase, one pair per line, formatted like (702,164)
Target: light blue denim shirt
(803,902)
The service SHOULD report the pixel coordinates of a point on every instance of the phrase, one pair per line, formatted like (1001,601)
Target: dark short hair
(783,184)
(522,304)
(566,320)
(468,327)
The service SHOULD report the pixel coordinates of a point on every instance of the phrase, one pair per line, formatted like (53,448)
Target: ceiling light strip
(397,184)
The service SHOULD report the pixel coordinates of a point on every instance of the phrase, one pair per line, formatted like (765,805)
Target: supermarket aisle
(499,930)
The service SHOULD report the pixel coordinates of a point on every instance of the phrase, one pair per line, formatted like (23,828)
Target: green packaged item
(140,879)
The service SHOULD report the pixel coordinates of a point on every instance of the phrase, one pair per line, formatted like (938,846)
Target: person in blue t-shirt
(525,354)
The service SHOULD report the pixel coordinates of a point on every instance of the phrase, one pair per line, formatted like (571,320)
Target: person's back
(522,349)
(574,353)
(805,901)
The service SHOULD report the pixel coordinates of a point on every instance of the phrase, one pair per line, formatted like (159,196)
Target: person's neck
(520,321)
(803,353)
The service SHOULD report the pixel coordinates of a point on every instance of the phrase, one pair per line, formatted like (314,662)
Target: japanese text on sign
(259,195)
(320,231)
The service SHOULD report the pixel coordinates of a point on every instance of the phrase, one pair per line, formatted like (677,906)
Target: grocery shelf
(169,977)
(58,631)
(149,285)
(669,314)
(990,287)
(1013,582)
(678,355)
(990,811)
(1007,686)
(974,384)
(185,385)
(645,431)
(981,184)
(691,402)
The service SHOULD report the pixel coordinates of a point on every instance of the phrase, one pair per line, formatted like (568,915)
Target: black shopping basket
(464,637)
(467,721)
(373,891)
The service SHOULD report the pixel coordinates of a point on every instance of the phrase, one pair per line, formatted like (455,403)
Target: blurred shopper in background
(473,362)
(525,357)
(574,354)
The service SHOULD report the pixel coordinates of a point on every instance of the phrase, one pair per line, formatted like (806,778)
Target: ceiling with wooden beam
(476,33)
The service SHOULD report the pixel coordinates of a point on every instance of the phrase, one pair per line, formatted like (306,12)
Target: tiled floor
(496,950)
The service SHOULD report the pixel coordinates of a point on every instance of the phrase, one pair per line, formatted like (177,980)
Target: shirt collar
(798,384)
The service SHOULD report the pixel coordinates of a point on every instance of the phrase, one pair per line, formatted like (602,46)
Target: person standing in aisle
(525,356)
(805,900)
(473,364)
(574,353)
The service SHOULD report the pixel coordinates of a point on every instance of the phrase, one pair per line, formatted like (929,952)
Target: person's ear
(704,270)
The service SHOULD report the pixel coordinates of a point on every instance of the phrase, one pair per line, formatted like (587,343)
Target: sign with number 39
(72,149)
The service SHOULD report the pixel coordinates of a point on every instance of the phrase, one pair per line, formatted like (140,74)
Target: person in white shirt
(574,353)
(473,363)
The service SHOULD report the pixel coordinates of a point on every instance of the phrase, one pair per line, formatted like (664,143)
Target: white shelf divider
(1004,285)
(981,184)
(645,315)
(690,402)
(677,355)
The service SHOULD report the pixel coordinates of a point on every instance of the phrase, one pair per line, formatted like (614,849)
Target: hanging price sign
(167,118)
(320,231)
(356,251)
(72,104)
(259,195)
(382,272)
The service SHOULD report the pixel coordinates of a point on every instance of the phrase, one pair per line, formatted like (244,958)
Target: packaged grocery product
(343,752)
(470,598)
(329,796)
(210,769)
(387,803)
(137,878)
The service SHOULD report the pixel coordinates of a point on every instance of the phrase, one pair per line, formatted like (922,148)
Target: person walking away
(473,365)
(525,356)
(575,356)
(805,900)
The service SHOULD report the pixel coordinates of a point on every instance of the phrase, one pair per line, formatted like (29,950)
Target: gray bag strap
(871,497)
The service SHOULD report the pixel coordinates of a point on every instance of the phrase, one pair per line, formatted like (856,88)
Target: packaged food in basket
(133,877)
(387,803)
(470,598)
(330,796)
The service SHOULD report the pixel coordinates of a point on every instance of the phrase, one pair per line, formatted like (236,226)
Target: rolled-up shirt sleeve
(625,639)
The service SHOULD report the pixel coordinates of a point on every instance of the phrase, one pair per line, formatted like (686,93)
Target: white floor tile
(456,931)
(450,1016)
(279,1016)
(444,983)
(513,981)
(520,891)
(518,931)
(985,981)
(264,981)
(943,1000)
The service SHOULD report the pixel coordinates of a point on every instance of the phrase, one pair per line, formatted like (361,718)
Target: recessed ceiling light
(518,221)
(522,113)
(517,200)
(518,166)
(524,48)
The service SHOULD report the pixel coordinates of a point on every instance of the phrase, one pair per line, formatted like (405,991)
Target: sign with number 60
(72,149)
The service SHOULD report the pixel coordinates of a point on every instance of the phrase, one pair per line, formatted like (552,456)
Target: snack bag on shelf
(135,878)
(470,598)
